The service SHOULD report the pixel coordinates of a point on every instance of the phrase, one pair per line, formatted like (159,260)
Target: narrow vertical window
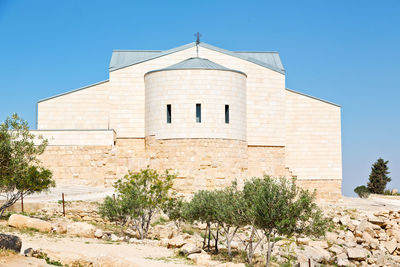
(198,113)
(226,113)
(168,113)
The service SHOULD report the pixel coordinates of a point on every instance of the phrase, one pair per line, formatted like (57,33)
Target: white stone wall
(313,137)
(265,96)
(77,137)
(82,109)
(183,89)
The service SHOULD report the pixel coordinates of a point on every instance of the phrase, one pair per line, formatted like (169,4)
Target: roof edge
(134,50)
(72,91)
(310,96)
(252,60)
(255,52)
(208,46)
(232,70)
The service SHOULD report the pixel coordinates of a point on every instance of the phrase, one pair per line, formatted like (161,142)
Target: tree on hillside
(378,177)
(139,195)
(280,208)
(20,170)
(230,213)
(362,191)
(203,208)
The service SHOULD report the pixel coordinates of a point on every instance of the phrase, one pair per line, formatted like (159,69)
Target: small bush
(139,195)
(387,192)
(362,191)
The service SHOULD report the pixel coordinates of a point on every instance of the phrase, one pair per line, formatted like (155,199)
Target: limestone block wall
(85,108)
(326,189)
(94,165)
(313,138)
(200,163)
(269,160)
(183,89)
(77,137)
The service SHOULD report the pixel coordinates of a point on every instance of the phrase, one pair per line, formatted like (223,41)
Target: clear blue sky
(347,52)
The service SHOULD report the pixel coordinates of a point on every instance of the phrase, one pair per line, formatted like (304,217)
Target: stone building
(209,114)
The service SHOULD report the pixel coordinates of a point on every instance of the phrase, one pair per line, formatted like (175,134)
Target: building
(209,114)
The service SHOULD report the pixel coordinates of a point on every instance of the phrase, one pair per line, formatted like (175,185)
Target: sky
(346,52)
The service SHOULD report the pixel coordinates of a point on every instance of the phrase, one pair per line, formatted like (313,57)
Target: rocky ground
(364,232)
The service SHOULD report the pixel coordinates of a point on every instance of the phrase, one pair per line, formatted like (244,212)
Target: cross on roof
(197,35)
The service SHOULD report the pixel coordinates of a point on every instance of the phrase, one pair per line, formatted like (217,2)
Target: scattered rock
(318,244)
(303,240)
(357,253)
(81,229)
(176,242)
(390,246)
(29,252)
(98,233)
(343,262)
(201,259)
(11,242)
(114,238)
(377,221)
(23,222)
(188,249)
(336,249)
(331,237)
(316,253)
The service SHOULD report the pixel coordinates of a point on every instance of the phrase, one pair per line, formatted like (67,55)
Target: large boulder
(390,246)
(200,259)
(188,249)
(22,222)
(341,260)
(176,242)
(11,242)
(357,253)
(366,226)
(81,229)
(164,231)
(377,221)
(318,244)
(316,253)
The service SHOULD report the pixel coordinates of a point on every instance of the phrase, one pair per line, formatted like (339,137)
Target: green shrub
(362,191)
(278,207)
(20,171)
(138,196)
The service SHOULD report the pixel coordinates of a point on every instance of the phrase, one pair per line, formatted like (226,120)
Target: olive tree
(230,213)
(203,208)
(139,195)
(174,210)
(280,208)
(20,170)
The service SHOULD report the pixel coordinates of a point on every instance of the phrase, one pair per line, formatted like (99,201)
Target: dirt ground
(112,253)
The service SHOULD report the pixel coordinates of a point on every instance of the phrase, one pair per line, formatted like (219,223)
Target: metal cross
(197,35)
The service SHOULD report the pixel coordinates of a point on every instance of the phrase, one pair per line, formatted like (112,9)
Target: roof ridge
(129,50)
(255,52)
(279,68)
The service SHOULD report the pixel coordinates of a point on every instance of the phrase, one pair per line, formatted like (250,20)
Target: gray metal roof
(196,63)
(124,58)
(272,58)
